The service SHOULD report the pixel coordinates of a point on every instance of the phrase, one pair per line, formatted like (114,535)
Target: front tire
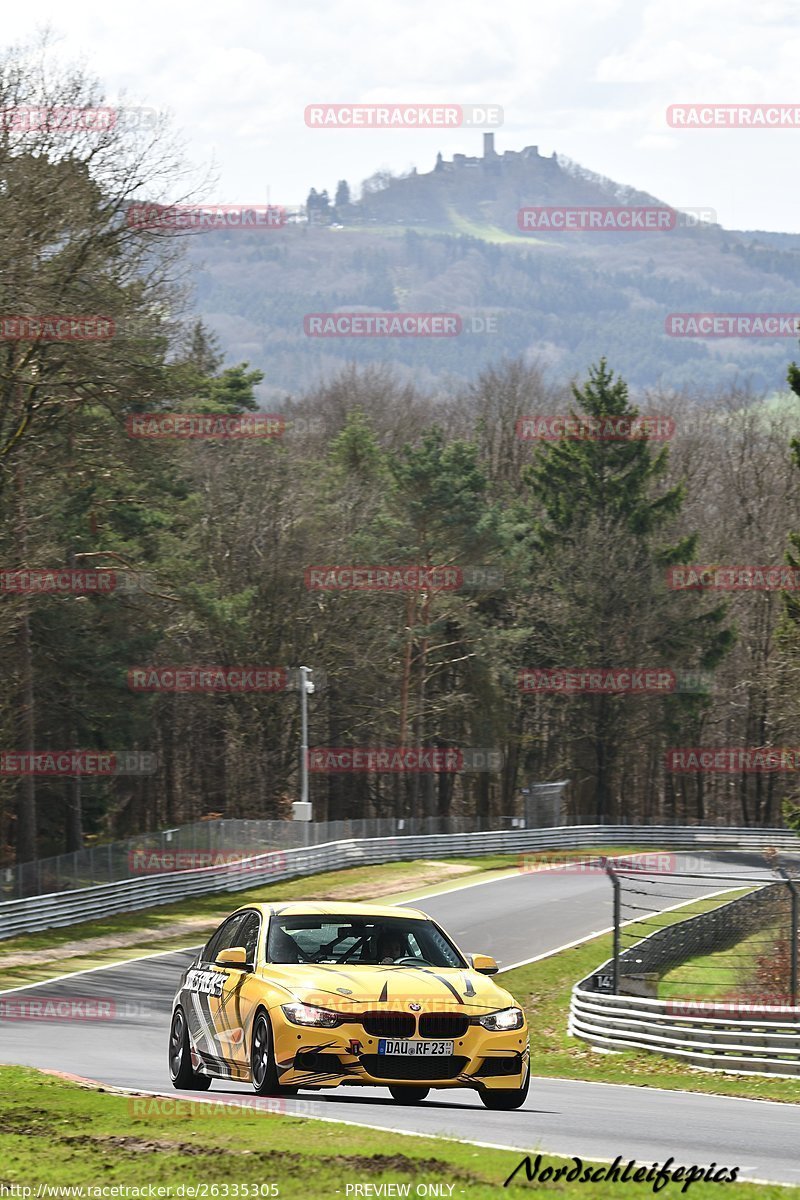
(409,1095)
(180,1057)
(505,1099)
(263,1072)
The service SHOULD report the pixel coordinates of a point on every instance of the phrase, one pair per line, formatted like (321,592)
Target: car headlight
(506,1018)
(307,1014)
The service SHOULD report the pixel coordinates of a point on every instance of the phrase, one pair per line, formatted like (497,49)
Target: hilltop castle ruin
(491,160)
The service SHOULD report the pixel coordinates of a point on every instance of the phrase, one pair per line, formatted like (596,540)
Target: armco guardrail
(764,1042)
(739,1036)
(69,907)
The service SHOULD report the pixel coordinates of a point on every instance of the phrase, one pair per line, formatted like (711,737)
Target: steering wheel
(414,962)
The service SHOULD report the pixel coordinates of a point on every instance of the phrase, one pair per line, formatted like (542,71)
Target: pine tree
(202,349)
(342,194)
(600,574)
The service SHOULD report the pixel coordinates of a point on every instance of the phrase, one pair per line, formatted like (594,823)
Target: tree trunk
(602,805)
(74,829)
(74,825)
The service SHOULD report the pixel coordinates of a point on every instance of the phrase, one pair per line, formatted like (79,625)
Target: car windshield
(360,941)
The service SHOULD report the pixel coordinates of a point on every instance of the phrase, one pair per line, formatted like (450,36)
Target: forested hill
(448,241)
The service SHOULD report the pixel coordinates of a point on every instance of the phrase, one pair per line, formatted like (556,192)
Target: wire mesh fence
(201,844)
(204,843)
(688,930)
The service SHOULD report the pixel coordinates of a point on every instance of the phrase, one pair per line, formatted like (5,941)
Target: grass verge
(58,1133)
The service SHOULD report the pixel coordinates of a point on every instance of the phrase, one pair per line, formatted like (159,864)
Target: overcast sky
(591,79)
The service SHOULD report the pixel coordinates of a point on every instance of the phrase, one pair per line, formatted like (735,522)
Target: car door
(205,999)
(240,995)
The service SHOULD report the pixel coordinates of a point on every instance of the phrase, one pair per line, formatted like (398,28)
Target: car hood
(434,988)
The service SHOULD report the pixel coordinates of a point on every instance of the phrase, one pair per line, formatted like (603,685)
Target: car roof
(312,908)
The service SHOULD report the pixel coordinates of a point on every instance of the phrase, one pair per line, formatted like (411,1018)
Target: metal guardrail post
(615,883)
(792,886)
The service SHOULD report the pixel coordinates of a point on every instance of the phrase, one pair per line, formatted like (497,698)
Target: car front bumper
(307,1056)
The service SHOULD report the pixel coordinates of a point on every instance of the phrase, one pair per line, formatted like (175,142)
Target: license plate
(400,1046)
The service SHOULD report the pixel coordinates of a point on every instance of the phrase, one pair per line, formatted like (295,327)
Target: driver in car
(391,946)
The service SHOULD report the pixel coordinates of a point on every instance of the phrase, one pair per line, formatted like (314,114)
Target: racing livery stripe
(206,1034)
(446,983)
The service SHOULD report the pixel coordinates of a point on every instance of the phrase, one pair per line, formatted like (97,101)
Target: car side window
(224,937)
(248,935)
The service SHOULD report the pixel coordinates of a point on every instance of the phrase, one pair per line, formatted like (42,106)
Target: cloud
(590,80)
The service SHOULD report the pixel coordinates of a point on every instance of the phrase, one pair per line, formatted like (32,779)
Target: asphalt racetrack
(516,919)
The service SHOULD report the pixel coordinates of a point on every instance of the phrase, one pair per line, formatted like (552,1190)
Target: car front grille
(421,1066)
(389,1024)
(443,1025)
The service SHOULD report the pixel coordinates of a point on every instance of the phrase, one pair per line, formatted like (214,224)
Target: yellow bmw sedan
(315,995)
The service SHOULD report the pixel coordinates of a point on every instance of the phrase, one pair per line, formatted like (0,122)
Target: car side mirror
(234,956)
(484,964)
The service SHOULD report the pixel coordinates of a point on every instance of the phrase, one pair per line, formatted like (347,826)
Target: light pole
(302,807)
